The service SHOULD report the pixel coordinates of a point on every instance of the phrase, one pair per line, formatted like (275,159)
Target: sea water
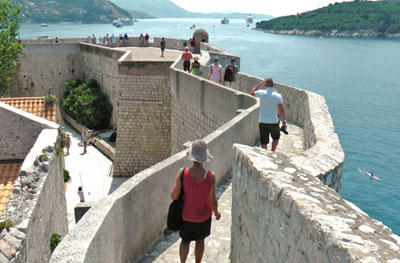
(359,78)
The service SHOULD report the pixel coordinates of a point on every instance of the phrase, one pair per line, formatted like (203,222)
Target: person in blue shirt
(270,102)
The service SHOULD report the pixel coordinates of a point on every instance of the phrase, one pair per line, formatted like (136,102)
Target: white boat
(44,25)
(225,21)
(370,175)
(249,19)
(43,36)
(127,21)
(117,23)
(135,20)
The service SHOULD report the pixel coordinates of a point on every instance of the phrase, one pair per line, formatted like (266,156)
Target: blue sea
(359,78)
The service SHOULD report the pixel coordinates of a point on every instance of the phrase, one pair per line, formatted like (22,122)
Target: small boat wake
(370,175)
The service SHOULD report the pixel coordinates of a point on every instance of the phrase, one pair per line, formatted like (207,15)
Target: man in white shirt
(270,102)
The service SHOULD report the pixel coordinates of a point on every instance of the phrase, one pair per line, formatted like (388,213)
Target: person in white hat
(200,202)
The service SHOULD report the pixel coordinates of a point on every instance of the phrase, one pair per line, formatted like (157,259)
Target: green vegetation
(381,16)
(10,49)
(55,239)
(6,225)
(56,11)
(67,178)
(50,100)
(87,104)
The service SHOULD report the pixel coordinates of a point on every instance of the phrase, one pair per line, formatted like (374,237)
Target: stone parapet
(282,213)
(38,211)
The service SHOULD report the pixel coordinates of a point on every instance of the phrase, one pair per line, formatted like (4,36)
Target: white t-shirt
(269,100)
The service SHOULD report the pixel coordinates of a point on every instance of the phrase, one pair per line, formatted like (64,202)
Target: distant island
(347,19)
(72,11)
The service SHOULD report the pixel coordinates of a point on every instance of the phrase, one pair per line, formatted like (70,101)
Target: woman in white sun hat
(200,200)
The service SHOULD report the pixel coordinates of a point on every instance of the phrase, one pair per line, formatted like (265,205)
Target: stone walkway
(91,171)
(218,243)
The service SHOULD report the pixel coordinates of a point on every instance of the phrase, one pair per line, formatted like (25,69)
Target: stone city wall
(144,116)
(45,68)
(19,131)
(101,63)
(126,223)
(282,213)
(41,209)
(53,41)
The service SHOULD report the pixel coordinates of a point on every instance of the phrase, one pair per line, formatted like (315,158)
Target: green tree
(10,49)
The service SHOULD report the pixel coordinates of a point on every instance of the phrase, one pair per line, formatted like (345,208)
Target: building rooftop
(34,105)
(8,176)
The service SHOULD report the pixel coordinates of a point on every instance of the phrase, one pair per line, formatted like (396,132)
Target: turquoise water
(359,79)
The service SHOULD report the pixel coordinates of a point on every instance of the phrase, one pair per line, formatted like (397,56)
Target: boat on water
(44,25)
(135,20)
(249,19)
(122,22)
(43,36)
(225,21)
(370,175)
(127,21)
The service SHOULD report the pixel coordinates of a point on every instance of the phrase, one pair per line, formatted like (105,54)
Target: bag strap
(181,195)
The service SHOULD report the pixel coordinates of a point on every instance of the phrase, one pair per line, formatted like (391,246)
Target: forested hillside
(78,11)
(382,17)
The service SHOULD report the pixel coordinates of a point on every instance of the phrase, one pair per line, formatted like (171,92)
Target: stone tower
(200,35)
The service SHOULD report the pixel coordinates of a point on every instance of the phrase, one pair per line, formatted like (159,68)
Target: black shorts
(269,128)
(186,65)
(191,231)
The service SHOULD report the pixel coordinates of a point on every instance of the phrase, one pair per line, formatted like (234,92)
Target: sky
(268,7)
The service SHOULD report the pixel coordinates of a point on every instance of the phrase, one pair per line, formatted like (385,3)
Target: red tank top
(196,207)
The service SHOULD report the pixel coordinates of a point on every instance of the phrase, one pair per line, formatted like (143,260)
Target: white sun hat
(198,152)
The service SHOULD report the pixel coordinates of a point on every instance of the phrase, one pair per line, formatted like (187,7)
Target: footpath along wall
(124,225)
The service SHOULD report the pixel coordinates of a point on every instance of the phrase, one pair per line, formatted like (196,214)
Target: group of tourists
(109,41)
(144,40)
(199,184)
(217,73)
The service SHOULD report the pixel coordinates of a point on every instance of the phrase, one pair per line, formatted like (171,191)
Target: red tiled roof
(34,105)
(8,176)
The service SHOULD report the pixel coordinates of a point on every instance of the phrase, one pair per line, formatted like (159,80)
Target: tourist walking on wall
(126,38)
(230,76)
(216,71)
(84,140)
(270,102)
(141,40)
(196,67)
(200,200)
(146,40)
(67,143)
(192,44)
(121,39)
(186,57)
(162,46)
(81,194)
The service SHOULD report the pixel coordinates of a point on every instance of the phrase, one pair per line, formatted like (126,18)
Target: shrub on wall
(87,104)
